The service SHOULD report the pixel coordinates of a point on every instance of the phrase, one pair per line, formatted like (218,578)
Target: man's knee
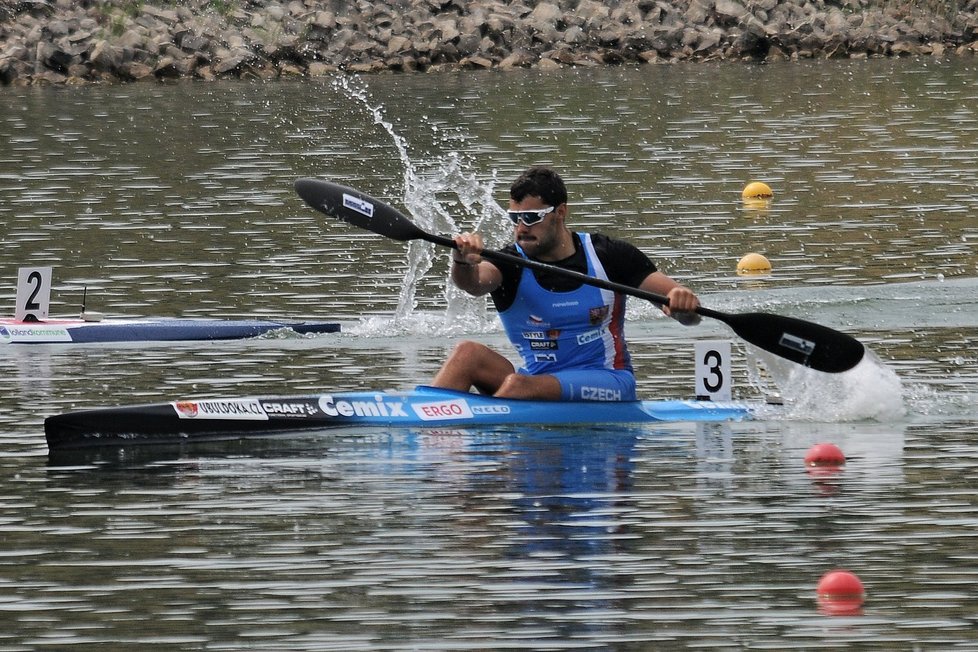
(469,350)
(511,384)
(517,385)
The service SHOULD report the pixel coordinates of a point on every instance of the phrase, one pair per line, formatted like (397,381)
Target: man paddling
(570,335)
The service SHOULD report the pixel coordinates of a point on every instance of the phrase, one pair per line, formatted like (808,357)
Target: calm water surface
(177,201)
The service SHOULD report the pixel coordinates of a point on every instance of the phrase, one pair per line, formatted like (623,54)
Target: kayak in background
(208,419)
(31,324)
(80,331)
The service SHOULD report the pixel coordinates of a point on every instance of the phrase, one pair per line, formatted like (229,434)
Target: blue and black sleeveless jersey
(575,326)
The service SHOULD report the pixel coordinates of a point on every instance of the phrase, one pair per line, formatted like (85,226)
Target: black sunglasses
(530,217)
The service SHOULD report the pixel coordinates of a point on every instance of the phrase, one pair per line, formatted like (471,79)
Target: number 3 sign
(33,293)
(713,370)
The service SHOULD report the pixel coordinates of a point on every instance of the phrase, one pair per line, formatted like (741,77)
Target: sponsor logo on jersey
(600,394)
(598,315)
(590,336)
(545,345)
(545,357)
(551,334)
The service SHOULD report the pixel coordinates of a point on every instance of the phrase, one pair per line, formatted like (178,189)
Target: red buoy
(840,593)
(825,455)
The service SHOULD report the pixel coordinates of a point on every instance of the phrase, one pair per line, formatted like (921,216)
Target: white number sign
(33,293)
(713,370)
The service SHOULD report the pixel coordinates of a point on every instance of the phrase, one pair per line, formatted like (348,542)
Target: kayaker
(570,335)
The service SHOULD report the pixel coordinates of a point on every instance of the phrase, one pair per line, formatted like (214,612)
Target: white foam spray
(868,391)
(426,184)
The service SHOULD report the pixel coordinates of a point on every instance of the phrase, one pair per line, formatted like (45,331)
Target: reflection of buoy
(753,263)
(840,593)
(757,190)
(824,455)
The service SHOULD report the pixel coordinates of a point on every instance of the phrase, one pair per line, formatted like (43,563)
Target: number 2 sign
(713,380)
(33,293)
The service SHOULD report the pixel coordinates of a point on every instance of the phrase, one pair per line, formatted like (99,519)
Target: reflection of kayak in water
(235,418)
(80,331)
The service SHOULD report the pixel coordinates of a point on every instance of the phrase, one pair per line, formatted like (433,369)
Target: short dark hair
(539,182)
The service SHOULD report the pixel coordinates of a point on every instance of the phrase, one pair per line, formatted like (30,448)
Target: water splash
(869,391)
(425,185)
(927,402)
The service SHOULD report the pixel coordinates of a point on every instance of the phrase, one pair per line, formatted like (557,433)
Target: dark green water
(177,201)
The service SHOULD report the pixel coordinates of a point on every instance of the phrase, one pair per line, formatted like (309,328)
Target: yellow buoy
(757,190)
(753,263)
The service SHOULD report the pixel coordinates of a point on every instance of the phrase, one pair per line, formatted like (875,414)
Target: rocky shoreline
(111,41)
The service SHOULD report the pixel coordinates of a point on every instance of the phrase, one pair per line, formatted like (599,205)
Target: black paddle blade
(812,345)
(357,208)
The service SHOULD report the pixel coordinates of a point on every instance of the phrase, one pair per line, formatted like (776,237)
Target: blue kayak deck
(430,405)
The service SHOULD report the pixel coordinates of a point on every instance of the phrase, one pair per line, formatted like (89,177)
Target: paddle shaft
(503,257)
(733,321)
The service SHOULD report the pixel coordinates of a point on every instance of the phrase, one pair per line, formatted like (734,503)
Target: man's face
(539,236)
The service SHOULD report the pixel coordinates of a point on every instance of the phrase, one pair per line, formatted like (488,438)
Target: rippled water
(177,201)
